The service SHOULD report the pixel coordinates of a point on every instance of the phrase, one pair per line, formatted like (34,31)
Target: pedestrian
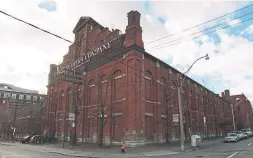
(123,147)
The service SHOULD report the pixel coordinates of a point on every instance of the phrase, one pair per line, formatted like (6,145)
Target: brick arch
(116,84)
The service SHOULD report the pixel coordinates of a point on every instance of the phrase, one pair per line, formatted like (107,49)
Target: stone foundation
(134,138)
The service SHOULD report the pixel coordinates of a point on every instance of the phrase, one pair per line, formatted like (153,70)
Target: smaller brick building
(243,111)
(136,90)
(16,104)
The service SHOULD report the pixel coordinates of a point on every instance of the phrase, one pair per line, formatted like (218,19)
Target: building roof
(82,21)
(12,88)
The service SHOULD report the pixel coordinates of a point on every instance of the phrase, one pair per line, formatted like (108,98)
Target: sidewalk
(92,151)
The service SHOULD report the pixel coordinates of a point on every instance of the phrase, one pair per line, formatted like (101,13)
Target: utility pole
(14,123)
(179,86)
(180,114)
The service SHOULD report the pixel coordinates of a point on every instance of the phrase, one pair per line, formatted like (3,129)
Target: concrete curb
(66,154)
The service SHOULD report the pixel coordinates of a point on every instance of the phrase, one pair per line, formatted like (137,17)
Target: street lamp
(179,87)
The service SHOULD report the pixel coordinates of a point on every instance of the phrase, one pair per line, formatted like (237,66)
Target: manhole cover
(199,156)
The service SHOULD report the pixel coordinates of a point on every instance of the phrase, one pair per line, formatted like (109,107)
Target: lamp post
(179,87)
(232,109)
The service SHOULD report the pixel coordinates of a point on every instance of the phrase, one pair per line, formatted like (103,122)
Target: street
(18,152)
(242,149)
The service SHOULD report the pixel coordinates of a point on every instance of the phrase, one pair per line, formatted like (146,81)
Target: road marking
(232,155)
(249,144)
(3,157)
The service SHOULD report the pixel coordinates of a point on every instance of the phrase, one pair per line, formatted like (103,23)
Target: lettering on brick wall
(83,59)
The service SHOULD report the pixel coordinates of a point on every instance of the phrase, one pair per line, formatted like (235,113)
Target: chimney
(134,18)
(227,93)
(222,94)
(53,69)
(134,30)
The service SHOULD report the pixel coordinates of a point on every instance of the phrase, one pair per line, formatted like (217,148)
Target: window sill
(118,101)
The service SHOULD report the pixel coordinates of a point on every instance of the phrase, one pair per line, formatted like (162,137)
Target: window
(116,86)
(98,30)
(103,84)
(68,99)
(14,96)
(21,97)
(148,86)
(190,93)
(28,97)
(170,71)
(35,98)
(5,95)
(162,92)
(90,28)
(91,91)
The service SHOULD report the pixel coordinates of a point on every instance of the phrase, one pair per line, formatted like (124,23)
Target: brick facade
(243,111)
(18,104)
(138,89)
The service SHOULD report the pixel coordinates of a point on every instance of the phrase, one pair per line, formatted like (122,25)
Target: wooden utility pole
(14,123)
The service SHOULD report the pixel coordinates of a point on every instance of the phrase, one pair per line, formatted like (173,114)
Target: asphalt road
(17,152)
(242,149)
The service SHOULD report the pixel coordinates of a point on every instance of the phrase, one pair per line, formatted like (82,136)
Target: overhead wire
(35,27)
(199,24)
(204,30)
(205,33)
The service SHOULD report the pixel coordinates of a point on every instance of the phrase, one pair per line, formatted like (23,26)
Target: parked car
(36,139)
(240,134)
(246,135)
(231,137)
(26,139)
(250,133)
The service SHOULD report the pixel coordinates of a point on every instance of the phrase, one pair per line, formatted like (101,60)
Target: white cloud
(250,29)
(234,22)
(28,52)
(149,18)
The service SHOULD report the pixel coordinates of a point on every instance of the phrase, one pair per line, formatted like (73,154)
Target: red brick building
(16,104)
(243,111)
(138,89)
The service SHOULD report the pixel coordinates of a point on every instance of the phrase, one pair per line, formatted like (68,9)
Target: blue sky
(214,83)
(50,6)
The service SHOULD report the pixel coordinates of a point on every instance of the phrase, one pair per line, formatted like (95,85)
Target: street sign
(175,117)
(72,116)
(204,119)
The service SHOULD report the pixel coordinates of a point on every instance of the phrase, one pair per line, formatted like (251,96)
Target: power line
(35,27)
(203,30)
(204,34)
(199,24)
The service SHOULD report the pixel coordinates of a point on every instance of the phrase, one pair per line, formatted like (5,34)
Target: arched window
(117,92)
(92,93)
(78,97)
(61,98)
(162,91)
(148,86)
(102,89)
(69,99)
